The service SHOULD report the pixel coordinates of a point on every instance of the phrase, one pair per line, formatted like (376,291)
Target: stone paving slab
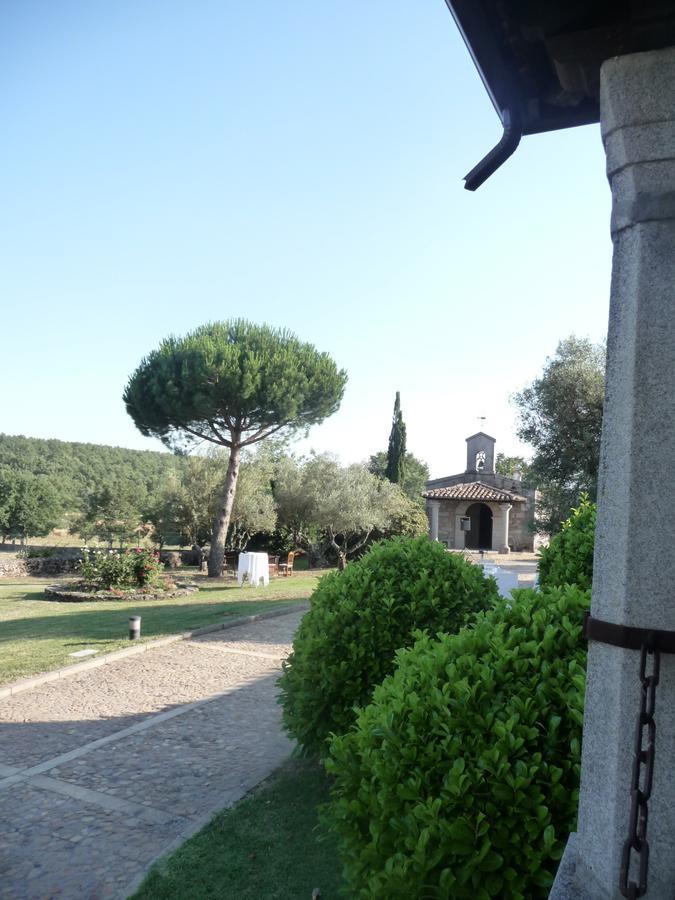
(179,764)
(89,705)
(101,772)
(56,846)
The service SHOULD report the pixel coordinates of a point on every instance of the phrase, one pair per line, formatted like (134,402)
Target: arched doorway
(480,535)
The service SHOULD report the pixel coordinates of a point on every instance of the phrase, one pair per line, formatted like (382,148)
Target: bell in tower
(480,454)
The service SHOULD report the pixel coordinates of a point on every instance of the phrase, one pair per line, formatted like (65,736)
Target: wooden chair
(230,562)
(287,567)
(274,565)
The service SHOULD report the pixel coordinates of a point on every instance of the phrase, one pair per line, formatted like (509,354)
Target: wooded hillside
(78,470)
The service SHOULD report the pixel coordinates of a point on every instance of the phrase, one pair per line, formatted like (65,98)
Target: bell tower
(480,454)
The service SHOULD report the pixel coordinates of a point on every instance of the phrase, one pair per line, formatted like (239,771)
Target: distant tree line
(283,501)
(50,483)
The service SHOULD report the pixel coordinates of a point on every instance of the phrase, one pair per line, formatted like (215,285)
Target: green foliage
(231,384)
(132,568)
(329,508)
(106,569)
(510,465)
(148,569)
(188,504)
(29,504)
(561,417)
(228,377)
(112,513)
(415,474)
(460,779)
(346,643)
(396,450)
(254,510)
(194,497)
(75,470)
(409,520)
(568,559)
(161,515)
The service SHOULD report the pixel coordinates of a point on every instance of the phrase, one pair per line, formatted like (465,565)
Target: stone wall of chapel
(521,517)
(446,522)
(520,536)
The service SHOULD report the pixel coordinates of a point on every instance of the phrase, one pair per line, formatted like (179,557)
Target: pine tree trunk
(222,520)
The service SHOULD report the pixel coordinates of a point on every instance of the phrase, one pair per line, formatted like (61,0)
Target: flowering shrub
(147,567)
(106,569)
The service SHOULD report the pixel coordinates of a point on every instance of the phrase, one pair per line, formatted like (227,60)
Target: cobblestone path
(103,771)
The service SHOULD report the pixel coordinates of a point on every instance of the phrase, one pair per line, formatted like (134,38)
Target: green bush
(568,559)
(118,569)
(460,779)
(359,618)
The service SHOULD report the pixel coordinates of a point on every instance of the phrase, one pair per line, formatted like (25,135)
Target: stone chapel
(479,509)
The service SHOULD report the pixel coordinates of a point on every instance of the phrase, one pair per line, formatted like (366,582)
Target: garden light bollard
(134,628)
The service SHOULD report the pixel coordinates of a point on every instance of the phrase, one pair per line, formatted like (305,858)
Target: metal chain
(643,765)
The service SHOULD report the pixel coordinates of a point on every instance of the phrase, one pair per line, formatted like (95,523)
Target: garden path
(101,772)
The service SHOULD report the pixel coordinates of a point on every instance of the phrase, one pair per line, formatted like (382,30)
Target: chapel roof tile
(475,490)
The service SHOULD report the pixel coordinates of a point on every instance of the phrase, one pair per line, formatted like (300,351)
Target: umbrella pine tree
(232,384)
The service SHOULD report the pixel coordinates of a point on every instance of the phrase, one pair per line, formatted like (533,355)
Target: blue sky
(168,163)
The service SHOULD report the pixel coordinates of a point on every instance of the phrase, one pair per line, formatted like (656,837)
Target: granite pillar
(434,507)
(634,566)
(501,541)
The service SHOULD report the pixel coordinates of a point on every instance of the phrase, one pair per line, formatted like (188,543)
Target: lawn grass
(37,635)
(267,846)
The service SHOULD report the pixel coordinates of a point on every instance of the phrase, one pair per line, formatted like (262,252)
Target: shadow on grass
(111,621)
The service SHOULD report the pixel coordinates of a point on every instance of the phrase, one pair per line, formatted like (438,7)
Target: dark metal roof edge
(471,22)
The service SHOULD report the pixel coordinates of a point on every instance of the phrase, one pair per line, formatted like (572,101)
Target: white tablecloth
(255,566)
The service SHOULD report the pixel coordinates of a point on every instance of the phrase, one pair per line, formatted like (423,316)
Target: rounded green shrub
(568,559)
(460,779)
(359,618)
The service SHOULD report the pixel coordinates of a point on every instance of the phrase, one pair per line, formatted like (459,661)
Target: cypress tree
(396,450)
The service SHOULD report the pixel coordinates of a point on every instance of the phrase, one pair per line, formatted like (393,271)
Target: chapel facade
(479,509)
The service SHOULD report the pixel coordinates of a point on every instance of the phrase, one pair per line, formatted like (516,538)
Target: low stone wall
(173,559)
(22,568)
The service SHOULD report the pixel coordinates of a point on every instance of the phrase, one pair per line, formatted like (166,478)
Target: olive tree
(327,506)
(415,474)
(232,384)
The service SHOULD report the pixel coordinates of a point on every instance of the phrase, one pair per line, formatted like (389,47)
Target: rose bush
(106,569)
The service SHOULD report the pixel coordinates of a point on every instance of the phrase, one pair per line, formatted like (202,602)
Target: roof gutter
(513,131)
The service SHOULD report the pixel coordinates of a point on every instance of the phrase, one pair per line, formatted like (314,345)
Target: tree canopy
(512,465)
(561,417)
(76,470)
(231,384)
(329,507)
(29,504)
(415,474)
(397,450)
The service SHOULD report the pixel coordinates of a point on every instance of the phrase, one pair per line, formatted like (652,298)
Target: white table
(256,567)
